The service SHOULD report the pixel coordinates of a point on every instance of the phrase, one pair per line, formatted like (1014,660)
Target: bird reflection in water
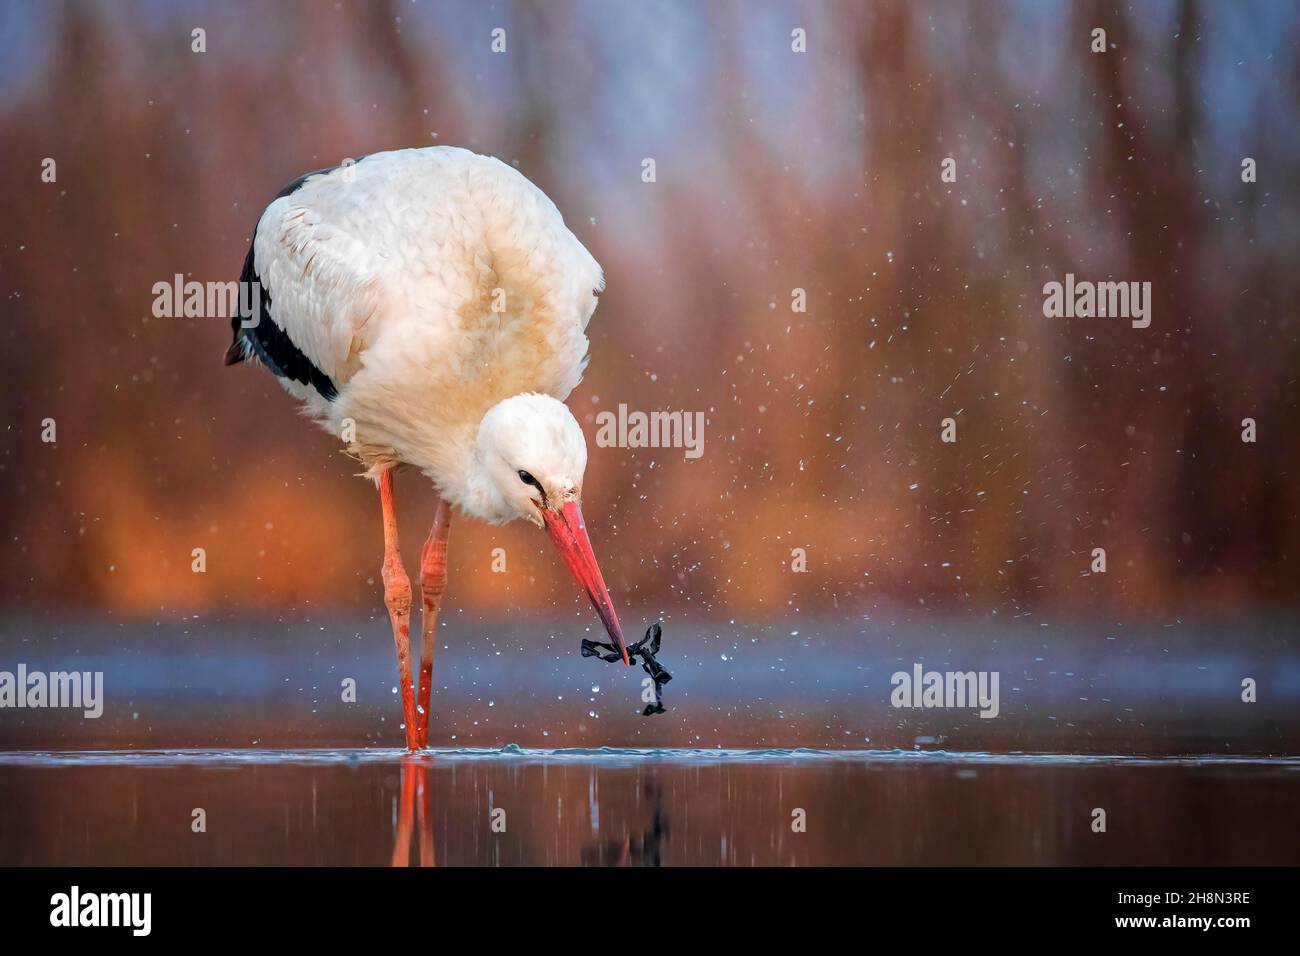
(643,850)
(413,806)
(415,827)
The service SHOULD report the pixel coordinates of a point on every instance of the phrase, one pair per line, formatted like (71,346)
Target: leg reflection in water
(415,822)
(413,805)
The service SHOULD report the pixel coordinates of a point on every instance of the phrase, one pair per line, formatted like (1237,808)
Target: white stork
(434,301)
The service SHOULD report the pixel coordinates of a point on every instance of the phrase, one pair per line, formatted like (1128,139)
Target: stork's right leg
(397,597)
(433,584)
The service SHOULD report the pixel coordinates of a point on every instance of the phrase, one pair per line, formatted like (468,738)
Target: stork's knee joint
(397,588)
(433,569)
(434,583)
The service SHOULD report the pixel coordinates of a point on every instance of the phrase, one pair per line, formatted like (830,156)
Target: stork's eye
(528,479)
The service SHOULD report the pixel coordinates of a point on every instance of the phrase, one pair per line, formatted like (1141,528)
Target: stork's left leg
(397,597)
(433,584)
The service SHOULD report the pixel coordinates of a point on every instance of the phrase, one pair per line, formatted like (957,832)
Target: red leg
(397,597)
(433,584)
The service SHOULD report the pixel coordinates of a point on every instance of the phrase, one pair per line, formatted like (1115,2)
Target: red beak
(569,533)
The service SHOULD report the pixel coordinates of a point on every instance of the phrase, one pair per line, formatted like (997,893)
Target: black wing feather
(257,336)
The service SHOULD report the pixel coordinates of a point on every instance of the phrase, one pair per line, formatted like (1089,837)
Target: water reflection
(643,808)
(415,825)
(645,849)
(415,787)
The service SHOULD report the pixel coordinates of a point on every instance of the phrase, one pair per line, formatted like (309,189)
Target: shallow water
(622,806)
(1067,686)
(1143,721)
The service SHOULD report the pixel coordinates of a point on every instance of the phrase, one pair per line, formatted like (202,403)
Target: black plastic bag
(645,649)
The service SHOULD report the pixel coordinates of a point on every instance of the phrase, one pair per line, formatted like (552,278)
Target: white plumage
(429,285)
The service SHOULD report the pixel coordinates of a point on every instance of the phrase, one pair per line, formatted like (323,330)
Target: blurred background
(776,171)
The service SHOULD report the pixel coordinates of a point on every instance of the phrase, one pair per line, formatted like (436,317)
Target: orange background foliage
(775,171)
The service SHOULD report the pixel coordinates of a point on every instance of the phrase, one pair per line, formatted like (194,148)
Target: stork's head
(533,455)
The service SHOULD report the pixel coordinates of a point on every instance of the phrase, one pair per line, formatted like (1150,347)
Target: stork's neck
(462,479)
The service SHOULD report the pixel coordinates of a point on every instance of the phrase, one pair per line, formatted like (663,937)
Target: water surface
(647,807)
